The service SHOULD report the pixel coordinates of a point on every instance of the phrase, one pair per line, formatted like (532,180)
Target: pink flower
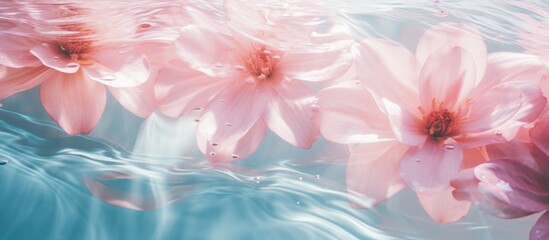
(420,118)
(244,82)
(73,52)
(515,183)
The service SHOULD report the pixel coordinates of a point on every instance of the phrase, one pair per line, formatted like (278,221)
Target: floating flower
(73,52)
(245,82)
(515,183)
(420,118)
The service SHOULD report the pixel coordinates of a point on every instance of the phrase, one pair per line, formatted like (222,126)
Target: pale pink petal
(540,136)
(349,114)
(231,114)
(450,34)
(448,75)
(118,69)
(326,63)
(525,151)
(372,172)
(139,100)
(515,184)
(540,231)
(15,51)
(74,102)
(202,48)
(511,66)
(376,66)
(290,113)
(442,207)
(14,80)
(497,106)
(180,88)
(428,168)
(51,56)
(505,119)
(406,126)
(237,150)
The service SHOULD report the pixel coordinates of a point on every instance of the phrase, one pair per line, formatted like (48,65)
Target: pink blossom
(73,52)
(244,81)
(419,118)
(515,183)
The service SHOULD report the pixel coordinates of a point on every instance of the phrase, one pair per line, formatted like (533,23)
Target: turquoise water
(145,179)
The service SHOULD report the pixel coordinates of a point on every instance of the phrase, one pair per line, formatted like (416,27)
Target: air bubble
(3,162)
(449,147)
(214,144)
(55,57)
(212,153)
(300,178)
(221,101)
(418,160)
(298,202)
(108,78)
(498,133)
(235,156)
(257,179)
(72,65)
(228,124)
(317,176)
(198,108)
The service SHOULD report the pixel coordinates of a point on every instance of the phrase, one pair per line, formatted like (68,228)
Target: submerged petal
(372,172)
(74,102)
(443,207)
(428,168)
(51,56)
(113,69)
(14,80)
(540,231)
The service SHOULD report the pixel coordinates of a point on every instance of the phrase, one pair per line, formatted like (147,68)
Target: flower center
(440,122)
(77,45)
(261,62)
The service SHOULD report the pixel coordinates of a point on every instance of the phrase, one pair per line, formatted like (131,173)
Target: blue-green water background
(49,182)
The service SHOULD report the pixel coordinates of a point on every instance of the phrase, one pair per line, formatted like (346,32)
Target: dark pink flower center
(261,63)
(440,122)
(77,45)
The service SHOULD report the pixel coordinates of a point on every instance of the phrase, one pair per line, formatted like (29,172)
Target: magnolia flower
(73,52)
(245,82)
(419,118)
(515,183)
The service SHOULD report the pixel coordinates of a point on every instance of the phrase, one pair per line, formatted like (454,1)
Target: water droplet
(3,162)
(498,133)
(298,202)
(144,25)
(212,153)
(197,120)
(217,65)
(72,65)
(276,57)
(55,57)
(239,68)
(417,160)
(108,78)
(443,13)
(228,124)
(214,144)
(300,179)
(449,147)
(221,101)
(317,176)
(257,179)
(235,156)
(198,108)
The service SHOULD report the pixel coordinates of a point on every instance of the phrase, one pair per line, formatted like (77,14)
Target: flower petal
(405,125)
(290,113)
(378,68)
(372,172)
(539,135)
(14,51)
(327,63)
(180,89)
(540,231)
(114,69)
(231,114)
(51,56)
(443,207)
(448,75)
(139,100)
(515,184)
(74,102)
(202,48)
(349,114)
(428,168)
(237,150)
(14,80)
(450,34)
